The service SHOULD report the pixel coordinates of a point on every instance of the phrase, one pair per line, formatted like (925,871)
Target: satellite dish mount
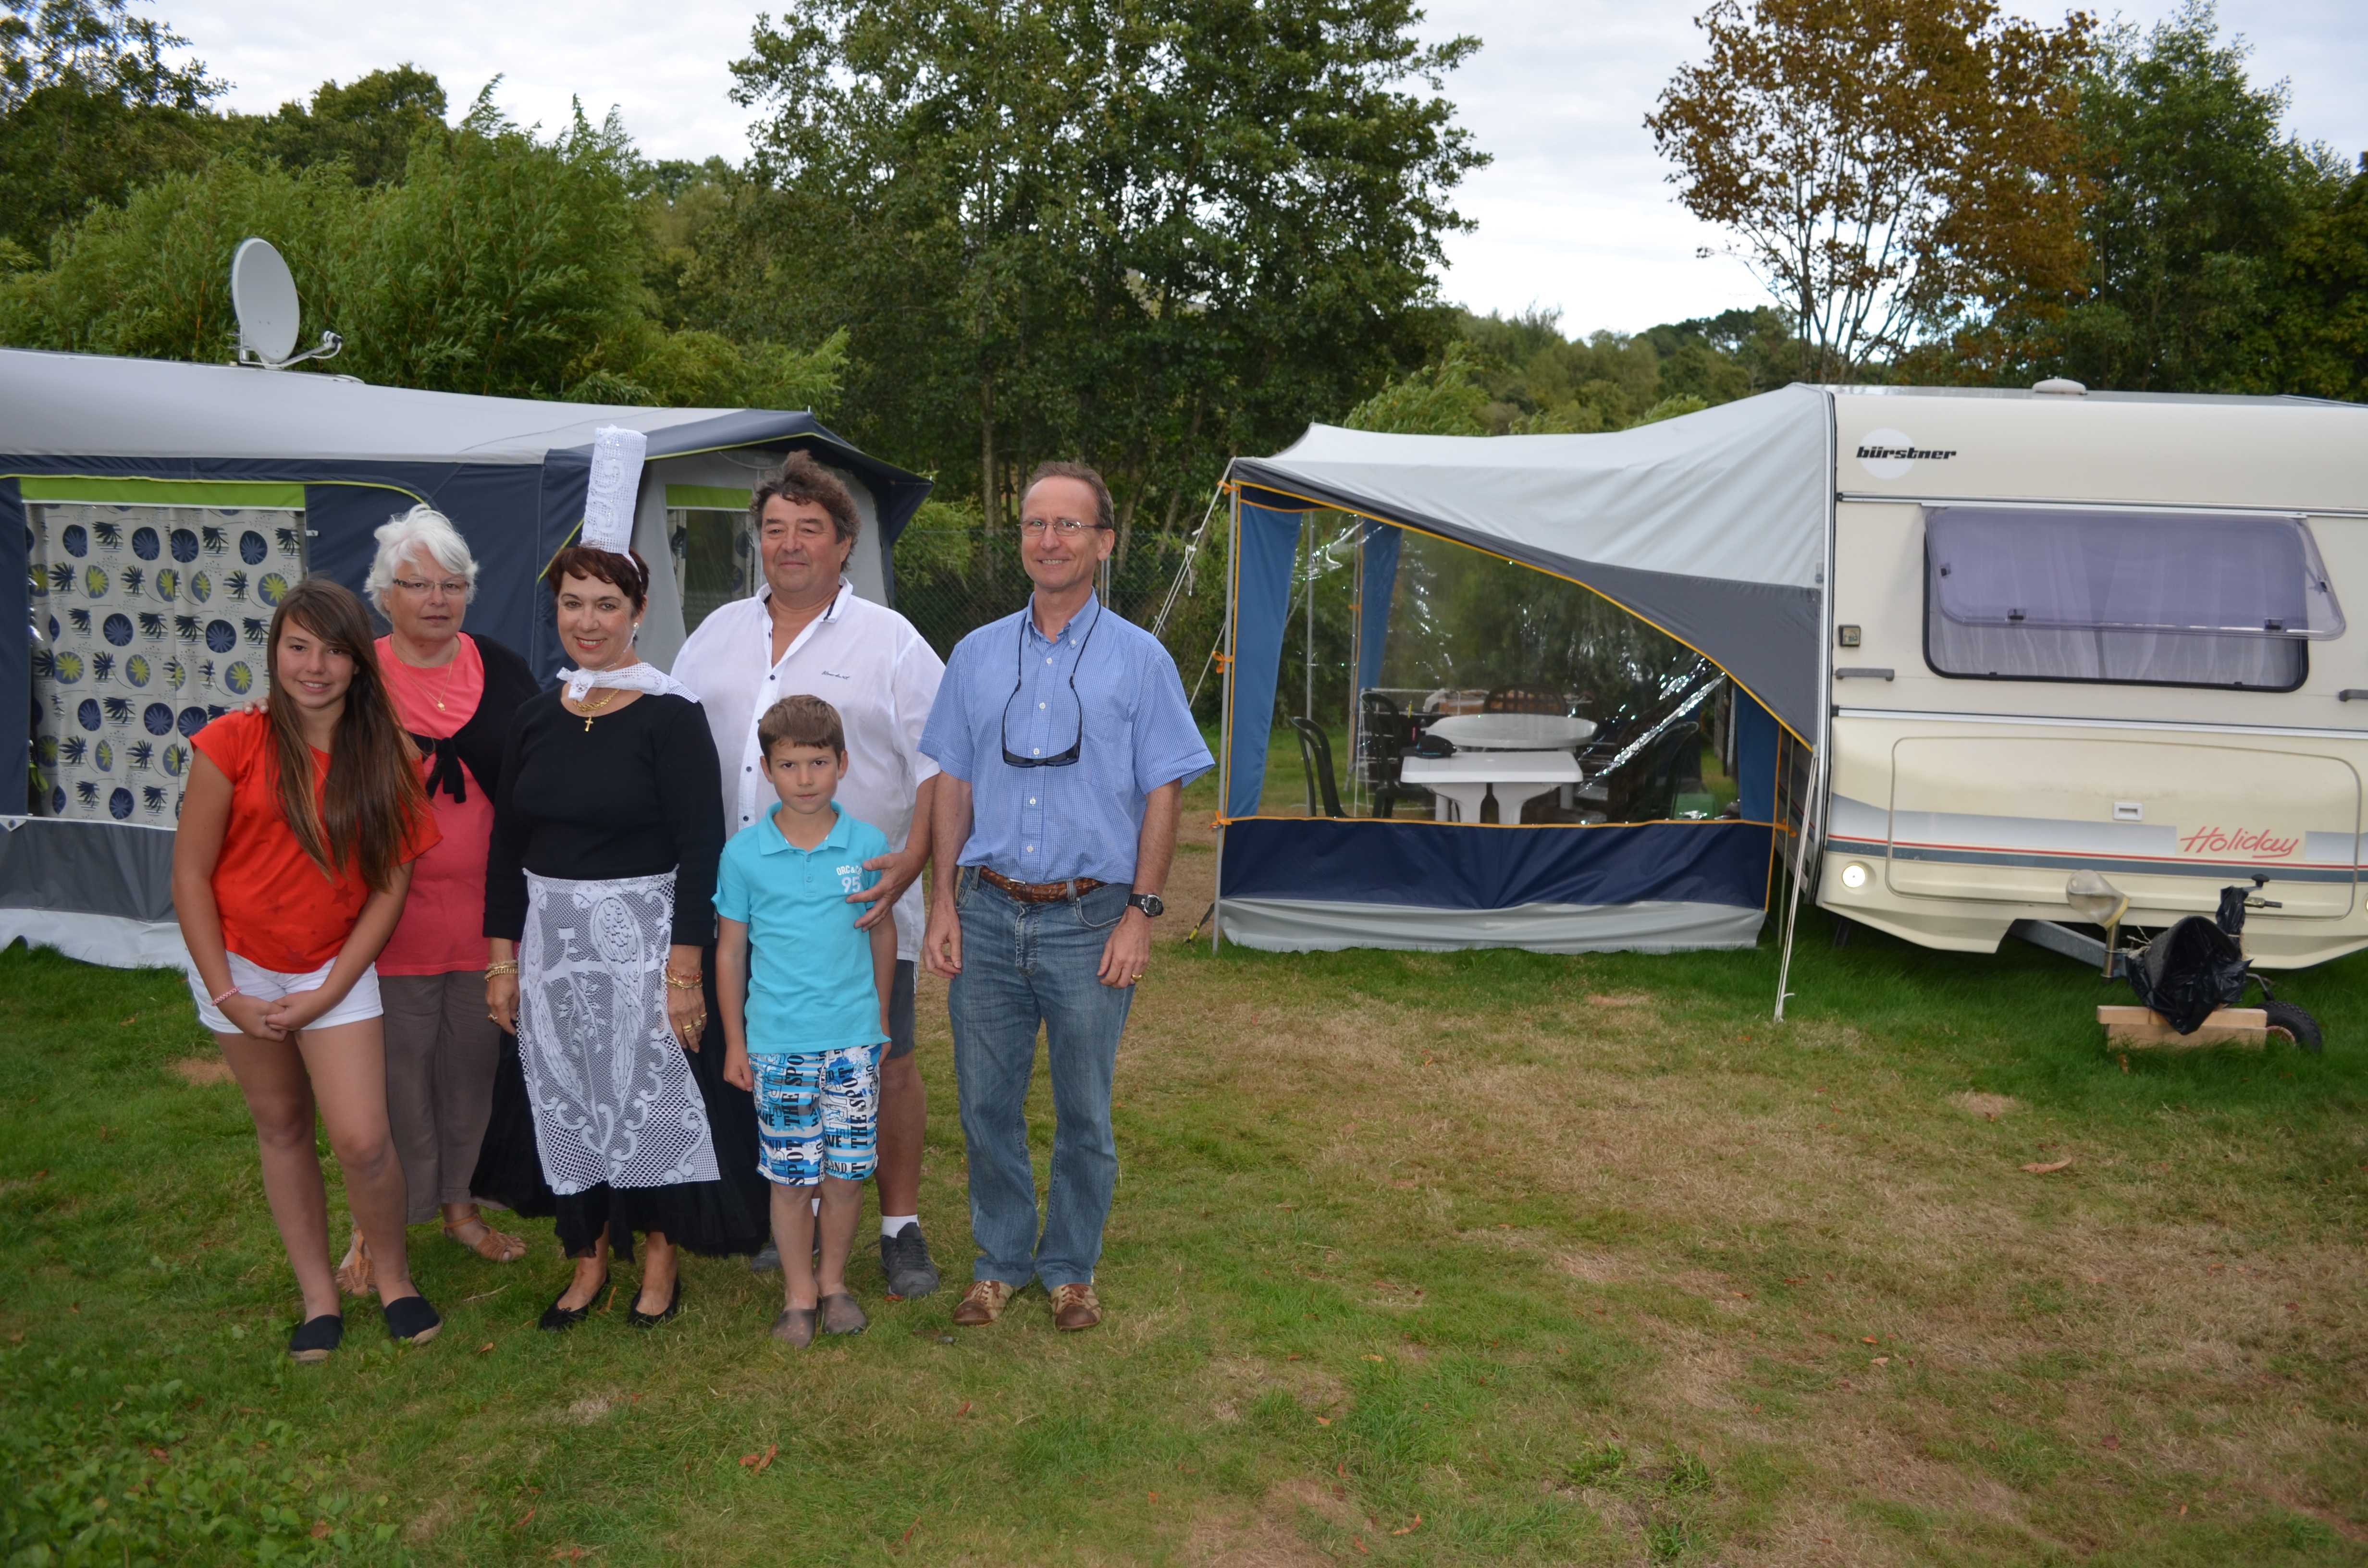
(263,293)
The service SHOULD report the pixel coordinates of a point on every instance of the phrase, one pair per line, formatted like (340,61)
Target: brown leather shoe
(1075,1307)
(983,1303)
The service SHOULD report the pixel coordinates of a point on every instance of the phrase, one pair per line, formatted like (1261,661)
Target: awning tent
(182,493)
(1712,528)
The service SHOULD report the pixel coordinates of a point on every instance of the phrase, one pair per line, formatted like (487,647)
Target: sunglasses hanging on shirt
(1020,673)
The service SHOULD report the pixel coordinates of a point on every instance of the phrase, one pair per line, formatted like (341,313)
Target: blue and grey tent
(1712,530)
(151,514)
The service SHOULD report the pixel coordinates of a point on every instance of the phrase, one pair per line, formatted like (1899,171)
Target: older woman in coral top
(455,694)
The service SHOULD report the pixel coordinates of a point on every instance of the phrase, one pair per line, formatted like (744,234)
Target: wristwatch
(1148,902)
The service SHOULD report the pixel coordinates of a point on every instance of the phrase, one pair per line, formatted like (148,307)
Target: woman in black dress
(599,894)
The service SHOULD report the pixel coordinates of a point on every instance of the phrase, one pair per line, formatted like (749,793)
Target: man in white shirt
(805,633)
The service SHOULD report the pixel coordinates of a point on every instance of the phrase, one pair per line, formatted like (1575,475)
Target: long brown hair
(373,794)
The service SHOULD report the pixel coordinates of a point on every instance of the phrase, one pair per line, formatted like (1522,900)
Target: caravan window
(2151,599)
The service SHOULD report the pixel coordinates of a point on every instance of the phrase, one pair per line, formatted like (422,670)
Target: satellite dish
(263,293)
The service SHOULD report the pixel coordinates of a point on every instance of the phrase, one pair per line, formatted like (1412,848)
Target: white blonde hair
(422,527)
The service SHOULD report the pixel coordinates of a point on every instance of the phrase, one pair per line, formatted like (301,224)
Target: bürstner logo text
(1889,454)
(1902,454)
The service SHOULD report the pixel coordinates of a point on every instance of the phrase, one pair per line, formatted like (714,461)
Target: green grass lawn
(1477,1258)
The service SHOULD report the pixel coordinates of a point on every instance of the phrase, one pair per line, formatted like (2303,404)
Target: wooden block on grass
(2128,1027)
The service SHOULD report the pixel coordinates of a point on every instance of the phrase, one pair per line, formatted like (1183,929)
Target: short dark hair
(628,572)
(800,479)
(1104,514)
(802,721)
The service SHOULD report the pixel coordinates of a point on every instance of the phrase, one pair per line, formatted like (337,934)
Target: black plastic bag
(2192,968)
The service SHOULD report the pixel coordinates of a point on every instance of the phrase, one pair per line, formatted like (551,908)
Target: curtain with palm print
(148,622)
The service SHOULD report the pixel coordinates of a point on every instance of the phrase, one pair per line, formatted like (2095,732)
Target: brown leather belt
(1042,893)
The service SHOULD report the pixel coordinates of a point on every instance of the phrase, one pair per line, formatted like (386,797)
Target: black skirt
(717,1219)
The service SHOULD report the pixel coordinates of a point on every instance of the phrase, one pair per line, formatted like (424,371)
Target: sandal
(491,1244)
(356,1276)
(841,1315)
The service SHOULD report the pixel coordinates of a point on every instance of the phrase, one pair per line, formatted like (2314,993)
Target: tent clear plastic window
(713,560)
(1588,714)
(2151,599)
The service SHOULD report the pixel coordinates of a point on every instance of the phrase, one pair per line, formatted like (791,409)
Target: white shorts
(269,985)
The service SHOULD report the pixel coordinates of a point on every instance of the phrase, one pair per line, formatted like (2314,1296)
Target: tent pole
(1225,717)
(1812,809)
(1308,528)
(1356,661)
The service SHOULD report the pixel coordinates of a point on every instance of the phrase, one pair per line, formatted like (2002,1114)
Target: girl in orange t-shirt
(287,888)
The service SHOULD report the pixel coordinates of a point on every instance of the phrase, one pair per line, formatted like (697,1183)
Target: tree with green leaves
(499,262)
(2323,315)
(151,278)
(369,124)
(1886,167)
(2199,192)
(90,109)
(1148,233)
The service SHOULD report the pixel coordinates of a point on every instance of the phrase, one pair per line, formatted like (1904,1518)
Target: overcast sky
(1574,215)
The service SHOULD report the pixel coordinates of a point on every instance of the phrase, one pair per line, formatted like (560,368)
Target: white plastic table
(1461,782)
(1513,731)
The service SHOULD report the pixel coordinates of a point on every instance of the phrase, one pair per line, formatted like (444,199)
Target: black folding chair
(1316,753)
(1383,733)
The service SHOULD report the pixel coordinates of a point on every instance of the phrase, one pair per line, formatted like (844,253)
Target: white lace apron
(611,1090)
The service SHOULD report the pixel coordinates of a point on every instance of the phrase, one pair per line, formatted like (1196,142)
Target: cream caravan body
(1993,730)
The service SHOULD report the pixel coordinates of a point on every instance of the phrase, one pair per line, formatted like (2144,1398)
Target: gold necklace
(592,710)
(444,687)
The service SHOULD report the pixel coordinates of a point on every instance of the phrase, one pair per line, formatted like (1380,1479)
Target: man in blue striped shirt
(1064,742)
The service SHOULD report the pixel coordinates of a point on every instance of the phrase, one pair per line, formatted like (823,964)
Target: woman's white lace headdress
(616,455)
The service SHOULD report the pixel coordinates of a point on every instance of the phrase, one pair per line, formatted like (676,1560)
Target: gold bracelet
(684,982)
(507,966)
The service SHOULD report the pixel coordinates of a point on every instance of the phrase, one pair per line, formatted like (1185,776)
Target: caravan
(2091,632)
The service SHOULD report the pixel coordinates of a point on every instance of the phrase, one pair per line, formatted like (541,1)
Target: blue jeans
(1026,966)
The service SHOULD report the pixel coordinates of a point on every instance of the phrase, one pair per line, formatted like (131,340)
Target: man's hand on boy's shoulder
(897,872)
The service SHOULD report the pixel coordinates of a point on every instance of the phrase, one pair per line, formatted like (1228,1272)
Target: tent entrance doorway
(1445,693)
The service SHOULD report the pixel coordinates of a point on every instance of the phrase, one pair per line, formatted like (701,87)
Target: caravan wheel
(2297,1026)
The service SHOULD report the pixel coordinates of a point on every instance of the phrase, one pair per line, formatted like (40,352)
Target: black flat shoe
(411,1321)
(315,1338)
(557,1318)
(641,1319)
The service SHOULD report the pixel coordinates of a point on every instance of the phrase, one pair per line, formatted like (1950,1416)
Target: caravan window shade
(2227,575)
(2122,598)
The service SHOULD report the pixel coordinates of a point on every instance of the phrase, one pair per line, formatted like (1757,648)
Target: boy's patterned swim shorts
(818,1115)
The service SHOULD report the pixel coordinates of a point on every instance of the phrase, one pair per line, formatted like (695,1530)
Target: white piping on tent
(1177,588)
(1811,812)
(1276,925)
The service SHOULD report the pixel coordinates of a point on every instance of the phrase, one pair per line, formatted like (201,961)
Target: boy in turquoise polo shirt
(806,1015)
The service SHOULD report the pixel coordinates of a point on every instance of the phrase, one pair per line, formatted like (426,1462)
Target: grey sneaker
(904,1259)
